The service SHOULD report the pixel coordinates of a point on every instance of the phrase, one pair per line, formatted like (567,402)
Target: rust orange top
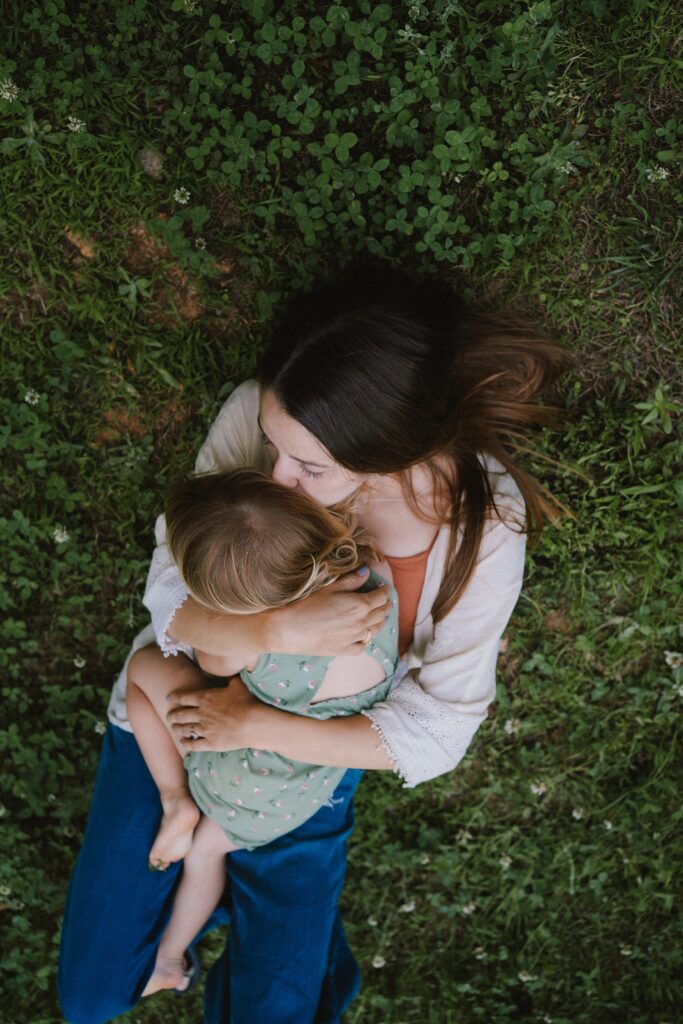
(409,577)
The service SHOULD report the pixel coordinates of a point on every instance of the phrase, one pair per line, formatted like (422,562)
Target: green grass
(126,388)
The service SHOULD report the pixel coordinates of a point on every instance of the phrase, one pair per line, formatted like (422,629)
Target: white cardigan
(446,680)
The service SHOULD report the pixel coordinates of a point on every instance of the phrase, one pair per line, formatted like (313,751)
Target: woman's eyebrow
(304,462)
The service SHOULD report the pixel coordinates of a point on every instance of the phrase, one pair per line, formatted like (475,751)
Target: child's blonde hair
(243,543)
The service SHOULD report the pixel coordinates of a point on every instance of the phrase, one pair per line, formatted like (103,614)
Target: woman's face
(299,460)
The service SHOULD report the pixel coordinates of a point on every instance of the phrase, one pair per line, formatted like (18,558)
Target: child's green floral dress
(256,795)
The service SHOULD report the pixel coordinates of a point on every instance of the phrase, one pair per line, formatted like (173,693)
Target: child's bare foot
(169,972)
(174,838)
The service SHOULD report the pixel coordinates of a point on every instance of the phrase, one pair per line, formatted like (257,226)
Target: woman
(382,386)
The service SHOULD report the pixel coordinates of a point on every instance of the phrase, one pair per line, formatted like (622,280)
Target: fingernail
(364,571)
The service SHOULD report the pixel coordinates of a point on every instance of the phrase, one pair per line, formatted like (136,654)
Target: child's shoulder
(382,569)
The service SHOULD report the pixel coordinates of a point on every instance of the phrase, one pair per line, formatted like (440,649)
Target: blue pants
(286,961)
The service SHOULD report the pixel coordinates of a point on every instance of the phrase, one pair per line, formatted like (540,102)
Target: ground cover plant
(169,173)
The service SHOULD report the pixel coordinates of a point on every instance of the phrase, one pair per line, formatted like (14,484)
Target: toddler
(244,543)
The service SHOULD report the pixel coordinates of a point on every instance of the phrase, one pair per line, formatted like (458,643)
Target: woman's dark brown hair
(387,369)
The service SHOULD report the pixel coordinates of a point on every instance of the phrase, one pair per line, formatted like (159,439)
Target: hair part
(406,373)
(244,543)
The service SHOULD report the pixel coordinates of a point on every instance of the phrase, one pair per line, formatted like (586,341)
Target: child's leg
(151,677)
(200,889)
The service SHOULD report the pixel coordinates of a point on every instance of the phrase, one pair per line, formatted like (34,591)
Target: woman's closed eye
(265,440)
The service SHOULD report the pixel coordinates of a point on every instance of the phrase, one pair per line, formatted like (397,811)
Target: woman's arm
(230,718)
(331,622)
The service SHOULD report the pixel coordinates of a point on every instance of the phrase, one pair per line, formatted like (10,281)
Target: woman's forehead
(289,435)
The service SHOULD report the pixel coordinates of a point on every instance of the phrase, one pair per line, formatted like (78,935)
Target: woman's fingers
(183,715)
(185,697)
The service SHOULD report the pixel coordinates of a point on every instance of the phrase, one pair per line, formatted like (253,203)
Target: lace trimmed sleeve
(164,594)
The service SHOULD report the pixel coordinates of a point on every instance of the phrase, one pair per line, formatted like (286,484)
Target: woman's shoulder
(233,439)
(246,397)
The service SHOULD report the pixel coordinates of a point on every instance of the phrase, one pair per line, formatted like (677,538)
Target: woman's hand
(333,621)
(229,718)
(218,717)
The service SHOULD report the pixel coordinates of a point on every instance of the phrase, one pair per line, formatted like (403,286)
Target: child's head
(244,543)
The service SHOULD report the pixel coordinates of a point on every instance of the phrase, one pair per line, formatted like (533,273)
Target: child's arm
(219,665)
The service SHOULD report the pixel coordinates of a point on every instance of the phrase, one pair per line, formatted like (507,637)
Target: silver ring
(193,735)
(368,639)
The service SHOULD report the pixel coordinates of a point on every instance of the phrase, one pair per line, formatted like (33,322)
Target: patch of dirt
(119,423)
(21,309)
(144,251)
(556,622)
(224,329)
(509,665)
(170,419)
(174,295)
(85,246)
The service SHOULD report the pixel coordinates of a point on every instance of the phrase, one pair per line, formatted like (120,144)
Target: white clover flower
(657,173)
(182,196)
(378,961)
(469,908)
(74,124)
(578,813)
(674,659)
(8,90)
(607,825)
(480,953)
(100,728)
(372,921)
(60,535)
(3,810)
(190,6)
(625,950)
(230,39)
(407,908)
(526,976)
(31,397)
(512,726)
(51,798)
(68,831)
(538,788)
(425,858)
(79,662)
(567,168)
(463,836)
(200,243)
(5,890)
(505,861)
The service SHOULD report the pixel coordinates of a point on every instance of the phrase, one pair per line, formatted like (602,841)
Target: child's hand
(333,621)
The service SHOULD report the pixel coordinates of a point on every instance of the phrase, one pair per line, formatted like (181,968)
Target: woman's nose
(283,473)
